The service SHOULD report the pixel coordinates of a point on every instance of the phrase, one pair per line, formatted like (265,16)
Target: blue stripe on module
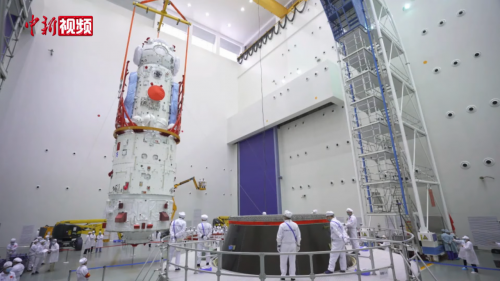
(118,265)
(461,265)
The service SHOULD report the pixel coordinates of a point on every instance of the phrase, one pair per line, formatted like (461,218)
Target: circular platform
(258,234)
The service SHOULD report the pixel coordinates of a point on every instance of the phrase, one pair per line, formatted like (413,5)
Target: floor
(124,263)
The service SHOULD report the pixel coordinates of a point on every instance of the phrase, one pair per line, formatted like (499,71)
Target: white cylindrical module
(144,166)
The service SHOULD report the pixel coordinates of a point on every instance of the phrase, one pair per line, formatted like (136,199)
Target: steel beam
(273,6)
(161,13)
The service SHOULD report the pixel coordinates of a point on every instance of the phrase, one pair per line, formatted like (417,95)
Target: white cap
(35,241)
(18,260)
(315,211)
(329,213)
(204,217)
(349,210)
(47,236)
(182,215)
(83,260)
(54,240)
(7,264)
(264,213)
(13,240)
(383,236)
(466,238)
(288,214)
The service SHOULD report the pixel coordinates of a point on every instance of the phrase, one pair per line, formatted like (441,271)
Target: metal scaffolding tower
(13,16)
(393,157)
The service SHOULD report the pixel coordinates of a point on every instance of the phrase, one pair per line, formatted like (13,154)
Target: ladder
(383,110)
(13,16)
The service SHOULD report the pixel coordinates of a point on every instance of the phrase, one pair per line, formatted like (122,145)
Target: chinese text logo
(68,25)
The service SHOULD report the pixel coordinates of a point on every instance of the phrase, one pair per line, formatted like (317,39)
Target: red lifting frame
(122,117)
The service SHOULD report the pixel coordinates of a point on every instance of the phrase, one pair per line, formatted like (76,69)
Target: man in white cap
(32,254)
(82,272)
(99,243)
(468,254)
(39,256)
(6,273)
(92,241)
(18,268)
(177,234)
(46,247)
(288,240)
(54,254)
(264,213)
(339,239)
(204,231)
(88,243)
(11,248)
(352,229)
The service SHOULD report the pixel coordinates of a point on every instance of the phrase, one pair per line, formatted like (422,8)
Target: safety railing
(20,250)
(187,247)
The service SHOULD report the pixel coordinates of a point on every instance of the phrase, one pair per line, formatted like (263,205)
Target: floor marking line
(424,267)
(461,265)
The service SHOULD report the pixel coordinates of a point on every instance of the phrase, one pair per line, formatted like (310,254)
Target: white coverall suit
(11,250)
(32,255)
(351,225)
(288,239)
(204,231)
(39,257)
(81,273)
(339,239)
(100,243)
(177,234)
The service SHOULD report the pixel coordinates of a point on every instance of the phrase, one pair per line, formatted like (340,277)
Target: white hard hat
(7,264)
(13,240)
(349,210)
(466,238)
(264,213)
(315,211)
(83,260)
(204,217)
(54,240)
(18,260)
(330,213)
(182,215)
(288,214)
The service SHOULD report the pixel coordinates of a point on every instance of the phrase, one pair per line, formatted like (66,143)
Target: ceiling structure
(237,20)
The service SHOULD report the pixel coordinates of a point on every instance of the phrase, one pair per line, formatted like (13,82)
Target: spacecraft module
(142,180)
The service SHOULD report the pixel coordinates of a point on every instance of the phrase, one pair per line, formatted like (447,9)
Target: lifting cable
(269,34)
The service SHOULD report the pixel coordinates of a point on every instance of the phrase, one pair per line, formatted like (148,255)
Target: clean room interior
(268,126)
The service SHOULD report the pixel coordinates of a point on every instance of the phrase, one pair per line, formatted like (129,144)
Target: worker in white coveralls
(352,229)
(177,234)
(92,241)
(12,248)
(99,243)
(339,239)
(7,273)
(54,254)
(468,254)
(39,256)
(88,243)
(18,268)
(32,254)
(82,272)
(204,231)
(288,239)
(46,247)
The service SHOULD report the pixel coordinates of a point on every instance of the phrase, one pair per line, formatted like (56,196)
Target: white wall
(53,102)
(466,137)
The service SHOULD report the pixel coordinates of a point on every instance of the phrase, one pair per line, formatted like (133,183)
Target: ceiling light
(251,1)
(242,9)
(189,4)
(228,25)
(283,81)
(207,14)
(407,6)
